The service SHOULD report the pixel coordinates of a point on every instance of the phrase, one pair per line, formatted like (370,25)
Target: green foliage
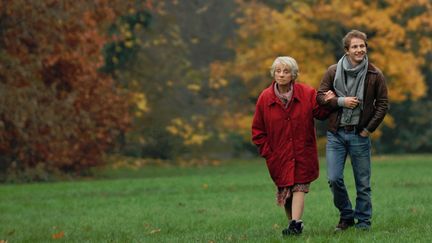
(170,69)
(124,32)
(412,132)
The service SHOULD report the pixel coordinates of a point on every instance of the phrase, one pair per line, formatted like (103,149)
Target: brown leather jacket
(375,99)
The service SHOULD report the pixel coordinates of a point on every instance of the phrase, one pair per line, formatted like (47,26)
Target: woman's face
(282,74)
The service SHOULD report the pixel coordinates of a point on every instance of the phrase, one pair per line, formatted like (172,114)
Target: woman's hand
(328,96)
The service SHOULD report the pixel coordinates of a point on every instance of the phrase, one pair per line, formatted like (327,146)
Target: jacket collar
(371,68)
(274,99)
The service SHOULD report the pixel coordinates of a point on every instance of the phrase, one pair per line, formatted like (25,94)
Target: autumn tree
(412,131)
(57,112)
(311,32)
(178,105)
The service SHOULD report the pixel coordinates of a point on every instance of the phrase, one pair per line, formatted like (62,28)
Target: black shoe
(363,225)
(294,228)
(344,224)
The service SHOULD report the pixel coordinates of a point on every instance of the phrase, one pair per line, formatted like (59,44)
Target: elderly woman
(284,132)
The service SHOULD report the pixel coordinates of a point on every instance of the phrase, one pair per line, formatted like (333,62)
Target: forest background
(89,83)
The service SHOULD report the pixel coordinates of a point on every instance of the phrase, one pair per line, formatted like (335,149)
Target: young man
(359,107)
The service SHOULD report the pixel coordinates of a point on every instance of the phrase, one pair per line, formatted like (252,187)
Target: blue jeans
(339,145)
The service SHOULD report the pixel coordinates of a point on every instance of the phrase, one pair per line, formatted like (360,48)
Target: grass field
(233,202)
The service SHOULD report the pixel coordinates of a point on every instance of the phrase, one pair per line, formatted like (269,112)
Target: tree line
(178,80)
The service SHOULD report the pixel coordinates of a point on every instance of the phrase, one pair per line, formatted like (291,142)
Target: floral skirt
(283,193)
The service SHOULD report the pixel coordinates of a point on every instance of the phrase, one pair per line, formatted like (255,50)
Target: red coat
(286,137)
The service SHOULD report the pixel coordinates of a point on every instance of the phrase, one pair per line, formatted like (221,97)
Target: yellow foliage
(237,123)
(376,134)
(218,83)
(194,87)
(389,121)
(196,139)
(425,45)
(310,32)
(216,101)
(129,44)
(218,71)
(132,11)
(140,100)
(265,34)
(128,34)
(192,133)
(137,27)
(403,77)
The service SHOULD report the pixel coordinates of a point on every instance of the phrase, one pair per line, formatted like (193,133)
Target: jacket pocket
(273,162)
(265,150)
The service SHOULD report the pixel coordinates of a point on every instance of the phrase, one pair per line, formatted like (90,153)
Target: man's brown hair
(346,41)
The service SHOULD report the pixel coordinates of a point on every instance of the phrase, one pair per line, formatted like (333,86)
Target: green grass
(233,202)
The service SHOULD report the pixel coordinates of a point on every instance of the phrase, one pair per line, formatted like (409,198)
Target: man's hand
(351,102)
(364,133)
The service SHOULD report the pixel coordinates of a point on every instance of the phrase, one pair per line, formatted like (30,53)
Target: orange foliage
(309,31)
(264,34)
(56,109)
(312,31)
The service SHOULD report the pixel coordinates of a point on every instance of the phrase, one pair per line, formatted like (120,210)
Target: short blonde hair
(286,61)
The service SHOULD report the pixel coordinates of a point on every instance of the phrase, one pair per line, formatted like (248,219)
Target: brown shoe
(344,224)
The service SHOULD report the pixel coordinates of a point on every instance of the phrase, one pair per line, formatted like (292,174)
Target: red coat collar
(275,99)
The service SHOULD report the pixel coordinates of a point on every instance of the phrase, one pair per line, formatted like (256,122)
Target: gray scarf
(356,88)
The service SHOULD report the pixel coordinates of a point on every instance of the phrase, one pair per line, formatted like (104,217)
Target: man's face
(282,74)
(356,51)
